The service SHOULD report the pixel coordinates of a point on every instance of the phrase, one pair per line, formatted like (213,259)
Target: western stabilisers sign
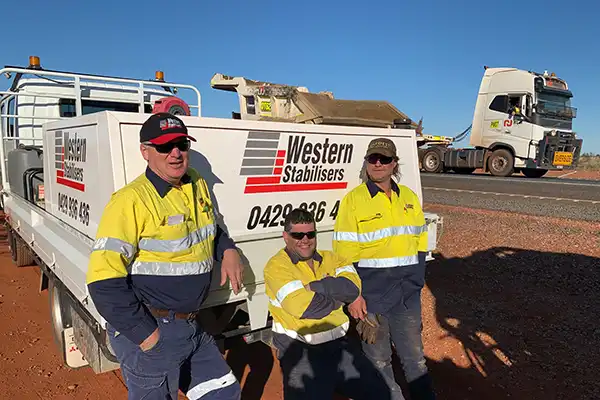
(302,162)
(70,153)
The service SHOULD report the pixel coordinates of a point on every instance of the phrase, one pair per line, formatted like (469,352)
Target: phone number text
(273,215)
(73,208)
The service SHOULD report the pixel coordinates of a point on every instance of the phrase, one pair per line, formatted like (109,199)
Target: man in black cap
(381,227)
(150,271)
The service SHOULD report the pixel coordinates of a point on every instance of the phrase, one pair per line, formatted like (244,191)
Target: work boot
(421,388)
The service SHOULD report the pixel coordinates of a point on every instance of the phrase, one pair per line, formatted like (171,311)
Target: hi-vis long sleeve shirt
(386,239)
(155,245)
(313,315)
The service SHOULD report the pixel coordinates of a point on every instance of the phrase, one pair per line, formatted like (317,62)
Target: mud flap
(73,356)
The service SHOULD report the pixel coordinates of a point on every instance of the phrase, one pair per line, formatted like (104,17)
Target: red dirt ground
(510,310)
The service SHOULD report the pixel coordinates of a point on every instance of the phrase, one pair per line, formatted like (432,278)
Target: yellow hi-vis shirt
(310,316)
(384,238)
(155,245)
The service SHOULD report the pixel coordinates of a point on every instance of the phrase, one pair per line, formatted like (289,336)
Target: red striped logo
(302,166)
(67,151)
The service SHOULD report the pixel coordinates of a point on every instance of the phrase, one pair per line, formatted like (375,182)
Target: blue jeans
(403,326)
(185,357)
(313,372)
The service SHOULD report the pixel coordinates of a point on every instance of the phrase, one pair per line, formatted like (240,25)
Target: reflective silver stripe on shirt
(313,338)
(171,268)
(345,236)
(347,268)
(275,303)
(202,389)
(287,289)
(116,245)
(379,234)
(174,245)
(388,262)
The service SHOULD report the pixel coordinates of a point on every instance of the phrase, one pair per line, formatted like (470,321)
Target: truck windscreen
(553,104)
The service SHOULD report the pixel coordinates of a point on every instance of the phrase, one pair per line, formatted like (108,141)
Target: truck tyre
(19,251)
(501,163)
(60,317)
(534,173)
(432,161)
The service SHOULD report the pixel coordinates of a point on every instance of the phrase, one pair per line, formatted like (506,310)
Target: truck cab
(523,122)
(528,115)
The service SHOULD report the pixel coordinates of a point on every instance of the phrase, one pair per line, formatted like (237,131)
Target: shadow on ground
(527,322)
(259,360)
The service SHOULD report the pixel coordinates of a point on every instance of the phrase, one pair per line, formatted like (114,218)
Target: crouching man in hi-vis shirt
(307,289)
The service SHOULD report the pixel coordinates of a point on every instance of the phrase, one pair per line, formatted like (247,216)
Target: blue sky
(425,57)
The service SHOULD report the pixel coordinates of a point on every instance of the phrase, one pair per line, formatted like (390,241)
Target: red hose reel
(171,104)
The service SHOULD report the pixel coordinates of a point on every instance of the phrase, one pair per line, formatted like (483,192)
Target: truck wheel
(60,316)
(19,252)
(534,173)
(432,161)
(501,163)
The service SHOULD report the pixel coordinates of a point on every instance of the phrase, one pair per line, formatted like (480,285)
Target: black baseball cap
(161,128)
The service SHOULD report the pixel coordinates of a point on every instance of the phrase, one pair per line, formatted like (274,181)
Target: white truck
(70,140)
(523,122)
(537,138)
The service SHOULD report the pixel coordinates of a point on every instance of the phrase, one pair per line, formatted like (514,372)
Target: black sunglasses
(373,158)
(182,145)
(300,235)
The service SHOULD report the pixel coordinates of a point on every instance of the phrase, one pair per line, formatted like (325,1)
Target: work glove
(368,328)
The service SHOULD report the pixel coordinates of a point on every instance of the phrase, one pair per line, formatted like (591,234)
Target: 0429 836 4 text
(73,208)
(273,215)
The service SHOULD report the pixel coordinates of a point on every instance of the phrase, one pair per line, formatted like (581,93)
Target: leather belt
(157,312)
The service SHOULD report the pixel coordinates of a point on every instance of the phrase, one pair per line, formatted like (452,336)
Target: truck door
(502,126)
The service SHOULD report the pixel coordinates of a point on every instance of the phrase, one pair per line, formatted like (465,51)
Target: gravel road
(509,309)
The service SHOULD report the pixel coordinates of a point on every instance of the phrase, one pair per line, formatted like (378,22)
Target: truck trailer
(70,140)
(522,122)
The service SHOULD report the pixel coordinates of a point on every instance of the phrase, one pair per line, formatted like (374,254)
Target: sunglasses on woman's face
(182,145)
(300,235)
(373,158)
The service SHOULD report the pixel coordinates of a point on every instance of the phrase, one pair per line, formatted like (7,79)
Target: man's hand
(232,268)
(368,328)
(150,341)
(358,308)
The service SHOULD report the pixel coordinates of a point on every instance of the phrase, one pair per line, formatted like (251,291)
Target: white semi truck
(523,121)
(70,140)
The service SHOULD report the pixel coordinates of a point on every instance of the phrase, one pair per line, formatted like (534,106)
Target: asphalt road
(566,198)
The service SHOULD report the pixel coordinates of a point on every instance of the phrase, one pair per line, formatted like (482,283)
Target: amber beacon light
(34,62)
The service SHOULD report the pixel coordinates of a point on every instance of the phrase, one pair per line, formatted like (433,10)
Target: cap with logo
(161,128)
(382,146)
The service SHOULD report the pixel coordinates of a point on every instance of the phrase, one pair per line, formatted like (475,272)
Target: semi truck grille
(561,146)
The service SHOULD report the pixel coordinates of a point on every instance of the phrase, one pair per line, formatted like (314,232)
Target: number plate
(563,158)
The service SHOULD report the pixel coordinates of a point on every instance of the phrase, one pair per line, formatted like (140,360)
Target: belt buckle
(191,316)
